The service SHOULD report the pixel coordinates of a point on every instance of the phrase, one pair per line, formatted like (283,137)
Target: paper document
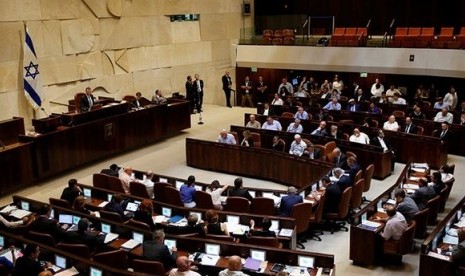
(309,201)
(371,223)
(461,223)
(413,178)
(8,209)
(19,214)
(410,186)
(209,259)
(418,170)
(68,272)
(450,239)
(159,219)
(276,199)
(103,204)
(110,237)
(130,244)
(439,256)
(7,254)
(286,232)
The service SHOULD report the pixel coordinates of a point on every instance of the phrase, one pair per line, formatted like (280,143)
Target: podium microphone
(200,118)
(43,109)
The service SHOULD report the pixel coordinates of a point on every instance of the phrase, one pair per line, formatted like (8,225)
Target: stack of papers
(159,219)
(237,229)
(409,191)
(420,165)
(418,170)
(7,254)
(110,237)
(68,272)
(413,178)
(276,199)
(209,259)
(130,244)
(252,264)
(309,201)
(8,209)
(439,256)
(286,232)
(19,214)
(371,223)
(103,204)
(460,224)
(450,239)
(410,186)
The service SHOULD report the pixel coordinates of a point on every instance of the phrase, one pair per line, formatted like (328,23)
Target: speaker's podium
(46,125)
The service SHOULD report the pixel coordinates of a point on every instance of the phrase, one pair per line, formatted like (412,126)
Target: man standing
(191,93)
(261,88)
(226,79)
(285,88)
(199,88)
(88,100)
(246,89)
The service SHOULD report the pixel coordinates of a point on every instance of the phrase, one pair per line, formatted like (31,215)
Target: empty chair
(420,130)
(401,33)
(129,98)
(342,213)
(398,113)
(444,194)
(323,151)
(461,36)
(203,200)
(264,241)
(77,100)
(237,204)
(433,206)
(100,180)
(427,34)
(115,184)
(277,41)
(42,238)
(317,217)
(257,143)
(288,40)
(220,237)
(77,249)
(116,259)
(59,202)
(138,224)
(283,143)
(287,115)
(138,189)
(278,34)
(235,136)
(149,267)
(301,212)
(262,206)
(357,191)
(421,219)
(267,33)
(338,33)
(350,34)
(402,246)
(159,191)
(330,146)
(446,34)
(111,216)
(172,196)
(368,176)
(349,154)
(288,33)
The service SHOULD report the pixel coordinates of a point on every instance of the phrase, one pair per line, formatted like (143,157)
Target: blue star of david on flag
(28,70)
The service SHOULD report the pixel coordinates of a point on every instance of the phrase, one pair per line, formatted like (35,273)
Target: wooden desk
(254,162)
(16,164)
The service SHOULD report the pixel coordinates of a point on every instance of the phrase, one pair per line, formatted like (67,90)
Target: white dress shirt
(361,139)
(297,148)
(391,126)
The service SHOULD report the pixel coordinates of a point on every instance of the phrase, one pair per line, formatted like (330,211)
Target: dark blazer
(341,162)
(110,172)
(92,240)
(352,171)
(357,107)
(250,90)
(117,208)
(446,137)
(241,192)
(158,252)
(69,194)
(190,90)
(27,267)
(375,142)
(85,105)
(316,154)
(333,195)
(278,147)
(412,129)
(287,202)
(188,229)
(344,182)
(196,86)
(337,136)
(48,226)
(422,195)
(226,82)
(145,218)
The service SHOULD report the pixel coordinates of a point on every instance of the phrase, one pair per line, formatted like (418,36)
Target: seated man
(125,175)
(320,130)
(267,110)
(44,224)
(333,195)
(342,180)
(272,124)
(353,168)
(253,123)
(87,101)
(359,137)
(391,124)
(226,138)
(395,224)
(234,267)
(277,100)
(339,158)
(301,114)
(440,104)
(287,202)
(295,127)
(193,226)
(396,99)
(409,126)
(405,205)
(298,146)
(71,192)
(312,152)
(333,105)
(184,268)
(84,236)
(116,206)
(334,133)
(444,133)
(156,250)
(112,171)
(136,103)
(444,116)
(417,114)
(158,98)
(238,190)
(423,193)
(187,192)
(147,181)
(353,106)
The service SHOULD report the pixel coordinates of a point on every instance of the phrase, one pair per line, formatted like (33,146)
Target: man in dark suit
(360,97)
(238,190)
(44,224)
(199,88)
(193,226)
(262,94)
(88,100)
(115,206)
(342,180)
(381,141)
(353,168)
(312,152)
(423,193)
(83,236)
(191,93)
(353,106)
(334,132)
(136,103)
(227,83)
(112,171)
(71,192)
(156,250)
(333,195)
(409,126)
(444,133)
(246,91)
(287,202)
(339,159)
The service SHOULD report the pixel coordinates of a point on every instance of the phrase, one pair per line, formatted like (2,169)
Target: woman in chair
(247,141)
(265,231)
(214,226)
(215,191)
(144,213)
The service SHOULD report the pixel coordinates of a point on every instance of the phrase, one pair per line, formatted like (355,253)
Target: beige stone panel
(61,93)
(90,65)
(97,8)
(50,42)
(156,30)
(178,7)
(121,34)
(215,6)
(187,31)
(165,54)
(59,9)
(115,7)
(14,103)
(220,50)
(77,36)
(121,60)
(198,52)
(109,64)
(214,27)
(142,7)
(179,54)
(113,86)
(16,10)
(59,69)
(10,80)
(12,38)
(148,81)
(143,58)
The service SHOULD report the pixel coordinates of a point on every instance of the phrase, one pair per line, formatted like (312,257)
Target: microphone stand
(200,118)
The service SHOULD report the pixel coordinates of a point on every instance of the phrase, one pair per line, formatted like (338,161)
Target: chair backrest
(111,216)
(219,237)
(77,100)
(415,31)
(319,210)
(351,31)
(345,121)
(406,241)
(462,31)
(236,137)
(43,238)
(159,191)
(203,200)
(452,168)
(237,204)
(339,31)
(278,33)
(267,33)
(60,202)
(345,136)
(350,153)
(264,241)
(288,33)
(368,176)
(444,194)
(420,130)
(398,113)
(138,224)
(257,142)
(129,98)
(421,219)
(447,31)
(149,267)
(115,184)
(357,192)
(401,31)
(427,31)
(282,142)
(344,205)
(172,196)
(277,41)
(138,189)
(301,212)
(306,141)
(100,180)
(433,206)
(358,176)
(362,31)
(262,206)
(116,259)
(288,40)
(287,114)
(330,146)
(77,249)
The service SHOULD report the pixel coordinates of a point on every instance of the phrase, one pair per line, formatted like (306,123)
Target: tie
(407,128)
(90,101)
(443,133)
(353,108)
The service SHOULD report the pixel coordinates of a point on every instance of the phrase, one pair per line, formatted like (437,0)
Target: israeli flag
(31,74)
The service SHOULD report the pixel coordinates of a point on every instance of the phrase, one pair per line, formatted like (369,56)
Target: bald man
(234,267)
(226,138)
(126,177)
(184,268)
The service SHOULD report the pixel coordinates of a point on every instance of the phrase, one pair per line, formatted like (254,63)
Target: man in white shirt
(184,268)
(396,99)
(377,88)
(298,146)
(252,122)
(147,181)
(333,105)
(444,116)
(391,91)
(391,124)
(226,138)
(395,224)
(277,100)
(285,88)
(301,114)
(451,98)
(338,84)
(359,137)
(125,175)
(295,127)
(234,267)
(272,124)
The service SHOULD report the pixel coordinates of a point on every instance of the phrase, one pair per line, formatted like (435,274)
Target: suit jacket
(412,129)
(375,141)
(422,195)
(341,162)
(27,267)
(158,252)
(352,171)
(316,154)
(196,85)
(85,105)
(337,136)
(357,107)
(226,82)
(287,202)
(92,240)
(344,182)
(69,194)
(190,90)
(241,192)
(446,137)
(47,226)
(144,217)
(333,195)
(260,85)
(243,90)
